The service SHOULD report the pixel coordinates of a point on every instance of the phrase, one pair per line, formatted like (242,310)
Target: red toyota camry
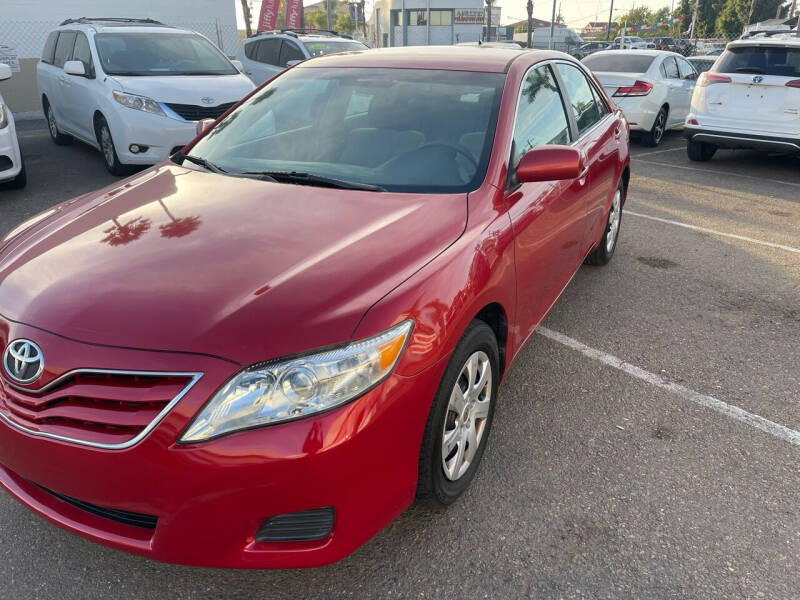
(260,352)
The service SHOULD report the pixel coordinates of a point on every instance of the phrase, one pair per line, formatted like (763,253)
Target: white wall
(24,24)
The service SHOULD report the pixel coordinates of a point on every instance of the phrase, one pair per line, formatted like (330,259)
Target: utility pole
(247,18)
(750,15)
(328,10)
(610,16)
(530,23)
(693,28)
(552,26)
(488,20)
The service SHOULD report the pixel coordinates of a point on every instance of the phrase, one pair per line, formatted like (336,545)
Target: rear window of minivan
(760,60)
(619,62)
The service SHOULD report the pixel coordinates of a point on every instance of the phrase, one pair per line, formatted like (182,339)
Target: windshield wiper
(301,178)
(206,164)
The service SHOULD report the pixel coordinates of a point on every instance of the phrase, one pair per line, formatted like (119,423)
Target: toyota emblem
(758,79)
(23,361)
(207,100)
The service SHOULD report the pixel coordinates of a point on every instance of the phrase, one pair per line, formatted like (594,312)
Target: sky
(576,13)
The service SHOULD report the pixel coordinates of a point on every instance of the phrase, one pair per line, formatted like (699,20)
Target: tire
(60,139)
(19,182)
(443,479)
(107,148)
(653,137)
(700,152)
(608,243)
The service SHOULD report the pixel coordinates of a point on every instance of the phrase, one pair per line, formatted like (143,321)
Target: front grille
(120,516)
(101,408)
(192,112)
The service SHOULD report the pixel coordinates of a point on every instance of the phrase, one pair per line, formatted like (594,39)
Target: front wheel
(460,418)
(656,134)
(608,243)
(107,148)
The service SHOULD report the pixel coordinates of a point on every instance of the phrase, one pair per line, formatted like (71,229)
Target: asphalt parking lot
(673,474)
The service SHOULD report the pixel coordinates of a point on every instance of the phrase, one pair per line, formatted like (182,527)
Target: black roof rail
(296,32)
(87,20)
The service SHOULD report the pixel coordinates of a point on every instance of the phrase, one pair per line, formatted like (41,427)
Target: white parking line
(714,232)
(657,152)
(734,412)
(715,172)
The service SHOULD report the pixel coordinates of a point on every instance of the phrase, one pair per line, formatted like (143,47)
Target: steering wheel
(456,148)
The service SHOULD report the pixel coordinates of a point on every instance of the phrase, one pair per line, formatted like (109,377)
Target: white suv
(266,54)
(133,88)
(12,169)
(750,99)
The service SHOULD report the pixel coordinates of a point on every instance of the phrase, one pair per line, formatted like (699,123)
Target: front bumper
(9,150)
(733,140)
(210,498)
(160,134)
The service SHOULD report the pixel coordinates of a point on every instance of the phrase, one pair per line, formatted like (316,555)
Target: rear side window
(540,115)
(580,97)
(66,39)
(49,48)
(685,69)
(618,63)
(268,51)
(289,51)
(250,50)
(761,60)
(669,69)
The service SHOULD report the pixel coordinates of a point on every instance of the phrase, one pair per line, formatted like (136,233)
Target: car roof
(702,57)
(447,58)
(327,38)
(637,52)
(782,39)
(105,26)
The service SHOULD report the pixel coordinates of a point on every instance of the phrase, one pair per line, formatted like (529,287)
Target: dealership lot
(598,481)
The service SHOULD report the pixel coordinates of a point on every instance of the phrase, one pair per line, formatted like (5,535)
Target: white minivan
(133,88)
(12,169)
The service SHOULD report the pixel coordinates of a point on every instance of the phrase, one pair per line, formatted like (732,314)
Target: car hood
(180,89)
(183,260)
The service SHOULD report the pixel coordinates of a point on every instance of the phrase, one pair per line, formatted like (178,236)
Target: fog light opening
(305,526)
(138,148)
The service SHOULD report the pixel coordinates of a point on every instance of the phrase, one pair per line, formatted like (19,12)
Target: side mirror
(550,163)
(203,125)
(74,67)
(238,64)
(692,76)
(291,63)
(5,72)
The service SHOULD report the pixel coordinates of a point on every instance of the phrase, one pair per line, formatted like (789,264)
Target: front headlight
(136,102)
(285,390)
(3,118)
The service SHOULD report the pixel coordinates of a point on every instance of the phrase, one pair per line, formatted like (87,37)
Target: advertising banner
(294,11)
(269,15)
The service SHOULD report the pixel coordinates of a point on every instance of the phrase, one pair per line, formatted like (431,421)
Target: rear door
(688,76)
(264,64)
(78,92)
(63,53)
(764,93)
(676,94)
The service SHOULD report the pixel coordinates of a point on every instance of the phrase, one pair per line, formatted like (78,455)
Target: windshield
(160,54)
(620,62)
(764,60)
(404,130)
(320,47)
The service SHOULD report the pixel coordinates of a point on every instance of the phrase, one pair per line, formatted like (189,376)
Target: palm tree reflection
(125,233)
(178,226)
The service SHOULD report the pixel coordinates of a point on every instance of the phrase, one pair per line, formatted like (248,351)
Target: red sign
(269,15)
(294,12)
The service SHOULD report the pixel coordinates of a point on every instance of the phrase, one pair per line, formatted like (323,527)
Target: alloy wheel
(107,145)
(613,221)
(51,122)
(467,414)
(658,128)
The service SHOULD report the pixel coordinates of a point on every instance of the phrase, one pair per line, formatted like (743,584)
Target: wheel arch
(494,315)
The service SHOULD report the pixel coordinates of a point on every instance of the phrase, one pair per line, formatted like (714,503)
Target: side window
(685,69)
(49,48)
(580,97)
(268,51)
(669,69)
(251,49)
(289,51)
(66,39)
(602,109)
(540,115)
(82,53)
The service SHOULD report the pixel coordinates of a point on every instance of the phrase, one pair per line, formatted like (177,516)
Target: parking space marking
(734,412)
(657,152)
(715,172)
(715,232)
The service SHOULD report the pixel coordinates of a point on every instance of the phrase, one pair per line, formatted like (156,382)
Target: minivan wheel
(460,418)
(608,243)
(700,152)
(61,139)
(656,134)
(107,148)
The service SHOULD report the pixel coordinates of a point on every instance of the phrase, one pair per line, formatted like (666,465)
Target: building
(597,27)
(427,22)
(24,25)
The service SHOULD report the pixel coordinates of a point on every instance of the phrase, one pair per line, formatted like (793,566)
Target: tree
(735,14)
(344,24)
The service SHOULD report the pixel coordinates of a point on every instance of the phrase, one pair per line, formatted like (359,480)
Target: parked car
(666,43)
(12,169)
(653,87)
(267,54)
(631,43)
(590,48)
(132,88)
(750,99)
(258,353)
(702,63)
